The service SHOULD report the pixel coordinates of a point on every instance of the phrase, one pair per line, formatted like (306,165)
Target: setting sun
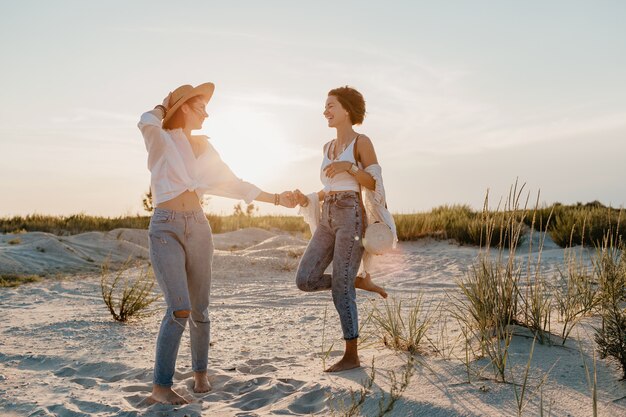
(252,143)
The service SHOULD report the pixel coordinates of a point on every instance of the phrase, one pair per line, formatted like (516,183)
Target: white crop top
(342,181)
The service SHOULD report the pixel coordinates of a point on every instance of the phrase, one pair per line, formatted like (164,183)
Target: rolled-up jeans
(337,239)
(181,252)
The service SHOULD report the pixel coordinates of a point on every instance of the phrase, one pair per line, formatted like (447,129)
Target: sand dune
(61,354)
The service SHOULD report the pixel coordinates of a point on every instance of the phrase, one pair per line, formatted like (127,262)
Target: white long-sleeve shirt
(175,169)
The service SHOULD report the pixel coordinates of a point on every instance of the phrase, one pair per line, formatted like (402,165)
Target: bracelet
(276,199)
(162,108)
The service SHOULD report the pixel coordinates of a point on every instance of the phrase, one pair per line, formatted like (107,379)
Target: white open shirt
(175,169)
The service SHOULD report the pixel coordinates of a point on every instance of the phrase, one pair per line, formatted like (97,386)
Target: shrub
(578,225)
(14,280)
(127,297)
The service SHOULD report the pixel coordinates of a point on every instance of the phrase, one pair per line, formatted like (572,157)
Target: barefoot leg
(350,358)
(165,395)
(366,283)
(201,382)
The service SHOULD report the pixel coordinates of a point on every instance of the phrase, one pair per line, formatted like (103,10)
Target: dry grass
(610,267)
(574,292)
(15,280)
(402,324)
(580,224)
(491,299)
(457,222)
(80,223)
(591,382)
(526,389)
(127,297)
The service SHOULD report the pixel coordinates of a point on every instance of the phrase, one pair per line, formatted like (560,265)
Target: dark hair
(352,101)
(177,120)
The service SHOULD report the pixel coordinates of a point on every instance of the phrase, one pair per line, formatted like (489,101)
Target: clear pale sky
(462,96)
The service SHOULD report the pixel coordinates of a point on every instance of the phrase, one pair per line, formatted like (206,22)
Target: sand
(61,354)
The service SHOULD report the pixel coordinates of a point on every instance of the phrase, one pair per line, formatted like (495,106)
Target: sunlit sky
(462,96)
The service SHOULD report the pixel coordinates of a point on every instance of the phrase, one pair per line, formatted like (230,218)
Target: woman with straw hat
(183,168)
(338,225)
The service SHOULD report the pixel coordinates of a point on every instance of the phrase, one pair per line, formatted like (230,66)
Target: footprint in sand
(257,370)
(259,366)
(65,371)
(275,391)
(313,401)
(137,388)
(85,382)
(242,387)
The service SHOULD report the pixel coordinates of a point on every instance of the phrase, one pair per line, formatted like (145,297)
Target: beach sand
(61,353)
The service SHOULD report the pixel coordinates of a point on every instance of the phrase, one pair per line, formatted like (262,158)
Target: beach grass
(575,292)
(402,323)
(569,225)
(81,223)
(579,223)
(492,297)
(15,280)
(610,268)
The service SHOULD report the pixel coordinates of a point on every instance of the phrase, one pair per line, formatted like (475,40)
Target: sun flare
(247,140)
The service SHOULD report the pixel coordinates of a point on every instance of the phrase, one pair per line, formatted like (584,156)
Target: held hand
(300,198)
(287,199)
(336,168)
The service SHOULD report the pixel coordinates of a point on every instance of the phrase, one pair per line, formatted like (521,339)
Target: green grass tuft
(14,280)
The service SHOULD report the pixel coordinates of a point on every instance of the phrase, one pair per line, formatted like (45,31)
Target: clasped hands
(290,199)
(293,198)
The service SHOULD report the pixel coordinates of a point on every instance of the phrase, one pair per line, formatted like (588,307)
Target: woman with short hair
(349,163)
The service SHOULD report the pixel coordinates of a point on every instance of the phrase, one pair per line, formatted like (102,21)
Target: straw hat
(378,238)
(184,93)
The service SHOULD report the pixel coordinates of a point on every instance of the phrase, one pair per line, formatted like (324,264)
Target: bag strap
(357,162)
(327,148)
(356,154)
(361,203)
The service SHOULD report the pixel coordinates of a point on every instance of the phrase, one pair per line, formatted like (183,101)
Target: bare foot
(165,395)
(201,382)
(366,283)
(344,364)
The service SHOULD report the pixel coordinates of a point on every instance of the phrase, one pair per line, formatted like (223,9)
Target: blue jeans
(181,252)
(336,239)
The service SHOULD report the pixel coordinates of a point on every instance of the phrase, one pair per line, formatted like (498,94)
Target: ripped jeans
(337,239)
(181,252)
